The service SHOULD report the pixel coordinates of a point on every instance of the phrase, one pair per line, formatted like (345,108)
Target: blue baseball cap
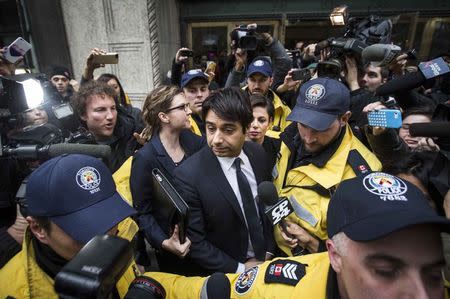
(191,75)
(261,66)
(77,193)
(370,207)
(320,102)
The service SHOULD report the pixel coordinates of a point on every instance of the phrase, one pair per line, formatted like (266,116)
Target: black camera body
(247,38)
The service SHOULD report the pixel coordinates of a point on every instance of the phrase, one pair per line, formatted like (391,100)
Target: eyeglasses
(184,107)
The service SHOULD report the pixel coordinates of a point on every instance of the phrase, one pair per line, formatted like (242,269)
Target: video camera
(357,36)
(247,37)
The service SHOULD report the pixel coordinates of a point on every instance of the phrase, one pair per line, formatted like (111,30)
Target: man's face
(372,78)
(100,116)
(258,83)
(58,240)
(405,264)
(316,141)
(61,83)
(196,92)
(225,138)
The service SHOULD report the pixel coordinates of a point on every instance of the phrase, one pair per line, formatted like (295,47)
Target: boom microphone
(277,209)
(427,70)
(33,151)
(95,150)
(433,129)
(380,54)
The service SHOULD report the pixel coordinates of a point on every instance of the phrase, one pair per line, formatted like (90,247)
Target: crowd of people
(368,203)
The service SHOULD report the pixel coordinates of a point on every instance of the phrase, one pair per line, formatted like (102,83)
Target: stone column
(128,27)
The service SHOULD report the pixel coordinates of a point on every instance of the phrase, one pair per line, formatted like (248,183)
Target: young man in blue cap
(70,199)
(259,81)
(384,243)
(195,85)
(318,151)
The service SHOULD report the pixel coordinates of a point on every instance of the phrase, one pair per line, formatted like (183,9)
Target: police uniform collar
(320,159)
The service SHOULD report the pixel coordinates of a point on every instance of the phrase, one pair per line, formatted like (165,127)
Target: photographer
(70,199)
(60,78)
(99,111)
(279,59)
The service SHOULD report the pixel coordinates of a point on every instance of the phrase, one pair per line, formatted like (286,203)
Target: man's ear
(39,232)
(335,257)
(271,80)
(83,117)
(345,118)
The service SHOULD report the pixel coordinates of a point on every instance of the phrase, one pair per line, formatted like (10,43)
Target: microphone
(433,129)
(277,209)
(427,70)
(34,151)
(95,150)
(218,286)
(380,54)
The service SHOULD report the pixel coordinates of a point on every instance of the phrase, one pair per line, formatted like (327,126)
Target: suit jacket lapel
(257,166)
(162,156)
(214,171)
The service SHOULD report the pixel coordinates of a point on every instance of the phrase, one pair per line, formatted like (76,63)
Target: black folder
(174,208)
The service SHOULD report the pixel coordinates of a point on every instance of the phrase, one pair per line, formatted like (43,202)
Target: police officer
(260,77)
(384,243)
(70,199)
(318,151)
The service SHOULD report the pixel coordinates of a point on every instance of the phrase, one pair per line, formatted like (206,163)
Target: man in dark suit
(227,227)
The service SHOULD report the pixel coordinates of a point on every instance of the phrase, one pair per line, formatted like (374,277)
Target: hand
(427,144)
(75,85)
(241,59)
(17,230)
(447,204)
(140,137)
(289,83)
(211,75)
(90,65)
(173,244)
(398,66)
(351,76)
(181,59)
(251,263)
(324,54)
(300,237)
(374,107)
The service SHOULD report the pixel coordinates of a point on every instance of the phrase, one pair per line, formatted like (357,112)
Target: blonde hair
(159,100)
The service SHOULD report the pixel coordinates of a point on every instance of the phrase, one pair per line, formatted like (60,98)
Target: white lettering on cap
(194,72)
(258,63)
(314,93)
(88,178)
(386,186)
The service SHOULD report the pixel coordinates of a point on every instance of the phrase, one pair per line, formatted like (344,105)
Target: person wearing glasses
(166,113)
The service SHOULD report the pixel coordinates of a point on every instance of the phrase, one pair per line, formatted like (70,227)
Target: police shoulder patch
(285,272)
(246,280)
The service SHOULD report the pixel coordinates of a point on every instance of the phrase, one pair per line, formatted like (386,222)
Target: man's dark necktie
(254,226)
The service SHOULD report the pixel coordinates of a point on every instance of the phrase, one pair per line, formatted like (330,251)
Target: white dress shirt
(230,173)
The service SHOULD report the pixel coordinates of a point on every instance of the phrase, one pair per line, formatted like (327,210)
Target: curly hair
(159,100)
(91,88)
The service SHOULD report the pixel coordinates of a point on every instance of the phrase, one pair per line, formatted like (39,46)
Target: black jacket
(217,227)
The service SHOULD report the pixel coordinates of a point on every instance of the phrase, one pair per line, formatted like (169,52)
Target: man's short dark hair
(87,90)
(258,100)
(230,104)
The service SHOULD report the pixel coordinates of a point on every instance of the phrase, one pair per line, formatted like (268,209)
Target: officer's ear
(334,255)
(39,228)
(344,118)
